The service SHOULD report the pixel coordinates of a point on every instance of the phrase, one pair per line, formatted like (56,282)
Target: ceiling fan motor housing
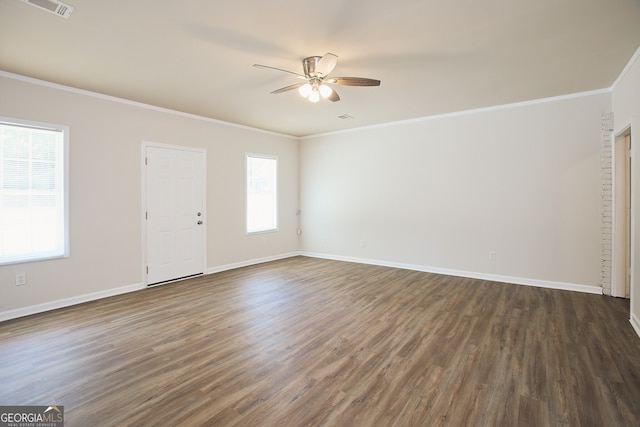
(309,66)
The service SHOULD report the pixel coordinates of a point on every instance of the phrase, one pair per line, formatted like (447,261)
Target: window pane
(43,146)
(15,143)
(15,174)
(43,176)
(32,193)
(261,193)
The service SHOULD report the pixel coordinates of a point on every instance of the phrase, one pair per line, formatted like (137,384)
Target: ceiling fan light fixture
(314,96)
(325,91)
(305,90)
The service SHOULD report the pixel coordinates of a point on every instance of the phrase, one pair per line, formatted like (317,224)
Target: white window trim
(65,158)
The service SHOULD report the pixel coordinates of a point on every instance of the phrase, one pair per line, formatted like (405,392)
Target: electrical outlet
(21,279)
(492,255)
(363,243)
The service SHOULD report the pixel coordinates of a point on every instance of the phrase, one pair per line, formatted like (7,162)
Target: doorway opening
(622,215)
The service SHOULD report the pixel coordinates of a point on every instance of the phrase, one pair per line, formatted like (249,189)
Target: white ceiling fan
(316,78)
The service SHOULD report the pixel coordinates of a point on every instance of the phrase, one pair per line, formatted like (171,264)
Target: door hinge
(146,161)
(146,215)
(147,269)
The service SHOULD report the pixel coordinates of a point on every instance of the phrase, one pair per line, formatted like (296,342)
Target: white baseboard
(240,264)
(635,322)
(66,302)
(472,275)
(53,305)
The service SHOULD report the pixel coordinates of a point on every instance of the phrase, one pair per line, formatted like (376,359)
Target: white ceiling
(432,56)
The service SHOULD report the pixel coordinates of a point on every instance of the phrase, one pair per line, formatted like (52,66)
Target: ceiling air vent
(53,6)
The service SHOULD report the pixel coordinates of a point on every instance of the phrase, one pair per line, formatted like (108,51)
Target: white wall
(105,193)
(439,194)
(436,194)
(626,109)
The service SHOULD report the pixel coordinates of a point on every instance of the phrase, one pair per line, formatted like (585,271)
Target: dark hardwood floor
(308,342)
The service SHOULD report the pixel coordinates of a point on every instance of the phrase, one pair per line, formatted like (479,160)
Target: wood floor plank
(314,342)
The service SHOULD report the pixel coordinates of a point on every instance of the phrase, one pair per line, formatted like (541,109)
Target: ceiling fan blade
(288,88)
(326,64)
(300,76)
(334,97)
(353,81)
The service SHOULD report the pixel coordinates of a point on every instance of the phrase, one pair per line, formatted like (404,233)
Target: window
(33,191)
(262,201)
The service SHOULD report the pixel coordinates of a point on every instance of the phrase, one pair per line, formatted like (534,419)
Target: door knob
(199,222)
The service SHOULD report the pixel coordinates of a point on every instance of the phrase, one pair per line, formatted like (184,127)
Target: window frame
(248,156)
(64,130)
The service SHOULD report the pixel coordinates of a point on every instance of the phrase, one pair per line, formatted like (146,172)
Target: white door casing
(174,215)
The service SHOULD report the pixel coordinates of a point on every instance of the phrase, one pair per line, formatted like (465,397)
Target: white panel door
(175,213)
